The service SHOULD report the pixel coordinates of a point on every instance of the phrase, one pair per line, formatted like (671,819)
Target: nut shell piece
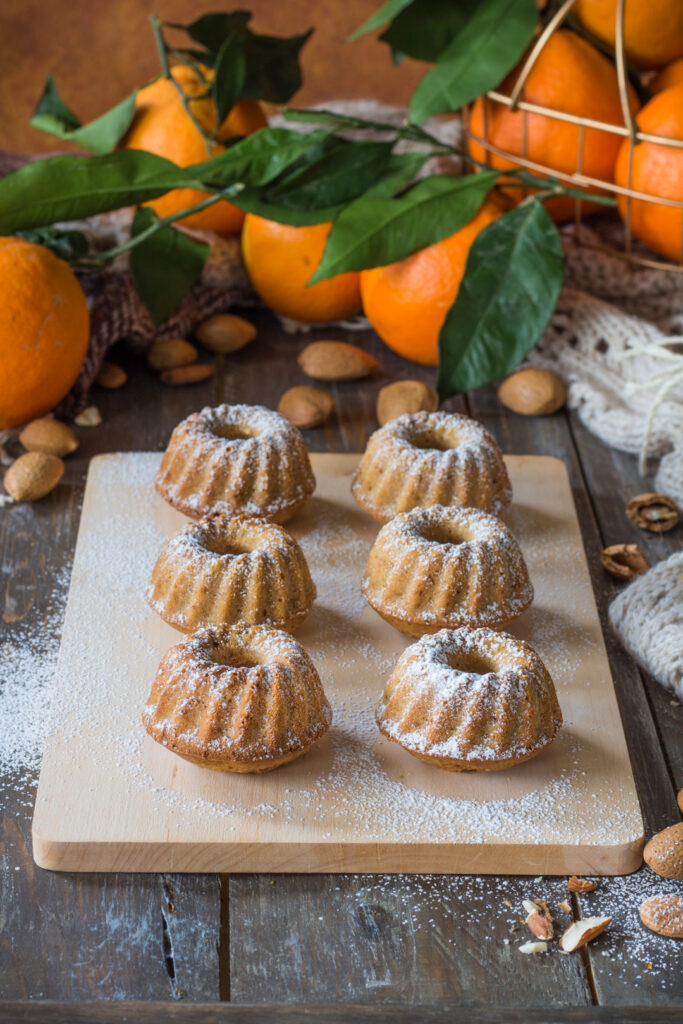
(533,391)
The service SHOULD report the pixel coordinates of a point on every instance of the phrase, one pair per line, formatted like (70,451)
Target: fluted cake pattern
(237,698)
(431,458)
(225,569)
(470,699)
(446,567)
(245,459)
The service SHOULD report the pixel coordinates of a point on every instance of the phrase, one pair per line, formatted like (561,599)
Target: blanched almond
(171,353)
(225,333)
(33,476)
(336,360)
(306,407)
(49,436)
(90,417)
(581,932)
(664,852)
(405,396)
(187,375)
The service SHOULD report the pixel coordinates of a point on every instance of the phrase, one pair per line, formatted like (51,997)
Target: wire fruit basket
(578,179)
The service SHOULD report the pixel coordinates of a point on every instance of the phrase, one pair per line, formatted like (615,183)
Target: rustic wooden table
(356,946)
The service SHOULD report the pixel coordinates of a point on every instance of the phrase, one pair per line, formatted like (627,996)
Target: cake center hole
(471,662)
(233,658)
(445,533)
(232,432)
(432,442)
(223,546)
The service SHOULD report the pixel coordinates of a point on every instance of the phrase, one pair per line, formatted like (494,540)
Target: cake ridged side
(248,715)
(400,470)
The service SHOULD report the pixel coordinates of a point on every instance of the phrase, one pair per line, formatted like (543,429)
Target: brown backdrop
(99,50)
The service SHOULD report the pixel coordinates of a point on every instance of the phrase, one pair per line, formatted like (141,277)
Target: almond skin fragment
(111,377)
(33,476)
(664,915)
(405,396)
(171,353)
(187,375)
(306,407)
(538,920)
(581,884)
(225,333)
(664,852)
(336,360)
(533,391)
(581,932)
(49,436)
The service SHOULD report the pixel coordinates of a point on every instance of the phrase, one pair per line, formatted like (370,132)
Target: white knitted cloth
(648,618)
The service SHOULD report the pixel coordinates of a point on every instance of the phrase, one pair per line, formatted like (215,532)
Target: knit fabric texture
(648,618)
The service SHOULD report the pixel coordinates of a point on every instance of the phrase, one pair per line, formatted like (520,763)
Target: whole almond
(336,360)
(33,476)
(171,353)
(225,333)
(664,852)
(306,407)
(533,392)
(680,799)
(49,436)
(111,377)
(405,396)
(664,915)
(187,375)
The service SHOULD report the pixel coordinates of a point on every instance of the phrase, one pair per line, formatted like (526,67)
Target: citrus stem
(162,222)
(157,29)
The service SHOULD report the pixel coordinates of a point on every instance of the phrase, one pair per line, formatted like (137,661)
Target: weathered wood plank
(178,1013)
(94,936)
(423,939)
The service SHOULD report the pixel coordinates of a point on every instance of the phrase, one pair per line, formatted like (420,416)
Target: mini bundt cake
(431,458)
(237,699)
(245,459)
(227,569)
(470,700)
(436,568)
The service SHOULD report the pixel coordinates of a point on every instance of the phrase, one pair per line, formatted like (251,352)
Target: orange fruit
(162,126)
(44,330)
(672,74)
(653,29)
(407,302)
(657,171)
(571,76)
(280,261)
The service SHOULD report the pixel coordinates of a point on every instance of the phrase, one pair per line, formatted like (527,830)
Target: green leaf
(482,53)
(258,158)
(99,136)
(72,187)
(425,28)
(375,232)
(164,266)
(386,12)
(211,30)
(340,171)
(251,200)
(273,71)
(400,170)
(68,245)
(511,284)
(230,71)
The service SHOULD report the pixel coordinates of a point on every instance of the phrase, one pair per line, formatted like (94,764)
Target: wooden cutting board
(110,799)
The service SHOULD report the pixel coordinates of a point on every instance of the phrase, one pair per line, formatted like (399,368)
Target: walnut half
(655,512)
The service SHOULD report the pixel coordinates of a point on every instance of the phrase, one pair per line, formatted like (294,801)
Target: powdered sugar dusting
(353,782)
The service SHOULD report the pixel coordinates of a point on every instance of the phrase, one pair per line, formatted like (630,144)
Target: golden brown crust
(418,629)
(279,515)
(451,764)
(253,766)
